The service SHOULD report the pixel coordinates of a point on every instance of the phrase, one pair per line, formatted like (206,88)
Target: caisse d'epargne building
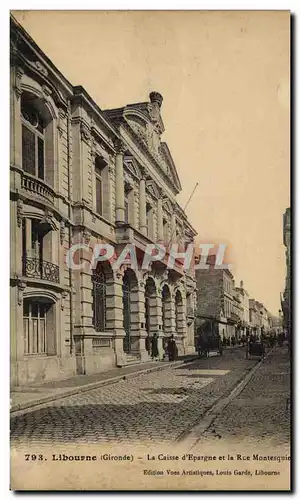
(82,175)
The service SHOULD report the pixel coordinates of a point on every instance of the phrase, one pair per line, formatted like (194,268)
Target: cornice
(20,37)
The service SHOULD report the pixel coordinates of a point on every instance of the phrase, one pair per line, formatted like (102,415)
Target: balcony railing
(37,187)
(41,269)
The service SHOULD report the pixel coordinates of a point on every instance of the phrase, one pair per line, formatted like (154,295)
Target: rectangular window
(100,174)
(41,169)
(36,241)
(34,327)
(28,150)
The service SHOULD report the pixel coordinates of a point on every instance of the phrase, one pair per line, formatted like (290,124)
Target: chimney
(156,97)
(241,284)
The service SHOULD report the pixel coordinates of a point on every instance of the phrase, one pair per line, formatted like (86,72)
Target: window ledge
(40,356)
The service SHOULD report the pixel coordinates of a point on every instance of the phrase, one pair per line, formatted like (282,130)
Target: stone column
(181,324)
(156,322)
(120,206)
(160,227)
(173,228)
(138,331)
(170,317)
(143,220)
(114,314)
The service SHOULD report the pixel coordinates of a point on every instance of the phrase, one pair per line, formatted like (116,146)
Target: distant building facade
(259,317)
(216,299)
(286,296)
(79,175)
(244,300)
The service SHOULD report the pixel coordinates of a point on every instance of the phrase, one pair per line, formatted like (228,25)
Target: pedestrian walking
(154,346)
(172,349)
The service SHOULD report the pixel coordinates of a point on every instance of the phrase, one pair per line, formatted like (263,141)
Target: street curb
(94,385)
(192,436)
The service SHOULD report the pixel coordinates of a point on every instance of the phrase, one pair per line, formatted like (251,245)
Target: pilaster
(120,203)
(143,219)
(138,332)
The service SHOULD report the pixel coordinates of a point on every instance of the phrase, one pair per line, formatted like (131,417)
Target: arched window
(33,138)
(99,300)
(129,287)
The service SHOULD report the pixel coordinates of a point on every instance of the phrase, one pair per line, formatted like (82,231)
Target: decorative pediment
(168,206)
(152,189)
(143,122)
(132,167)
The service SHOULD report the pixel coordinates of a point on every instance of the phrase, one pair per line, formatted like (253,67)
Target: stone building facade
(82,176)
(243,296)
(259,317)
(215,298)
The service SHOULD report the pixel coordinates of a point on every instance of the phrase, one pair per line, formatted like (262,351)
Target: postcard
(150,251)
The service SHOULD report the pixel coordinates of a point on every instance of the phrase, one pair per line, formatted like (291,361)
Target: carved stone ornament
(48,217)
(14,51)
(86,236)
(62,231)
(64,295)
(111,171)
(39,67)
(93,149)
(19,72)
(143,174)
(120,147)
(19,212)
(21,288)
(61,116)
(46,93)
(128,182)
(85,133)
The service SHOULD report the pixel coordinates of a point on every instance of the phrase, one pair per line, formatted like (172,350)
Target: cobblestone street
(261,412)
(160,406)
(151,407)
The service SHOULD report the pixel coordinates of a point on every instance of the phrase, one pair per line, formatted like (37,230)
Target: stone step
(132,360)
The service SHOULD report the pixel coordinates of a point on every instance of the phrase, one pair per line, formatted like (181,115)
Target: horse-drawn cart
(255,348)
(209,343)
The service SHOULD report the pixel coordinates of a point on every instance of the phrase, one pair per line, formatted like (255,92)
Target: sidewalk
(37,393)
(260,412)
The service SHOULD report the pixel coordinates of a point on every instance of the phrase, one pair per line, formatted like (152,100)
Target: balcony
(40,269)
(37,187)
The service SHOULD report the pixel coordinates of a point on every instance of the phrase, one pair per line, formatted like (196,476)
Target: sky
(225,80)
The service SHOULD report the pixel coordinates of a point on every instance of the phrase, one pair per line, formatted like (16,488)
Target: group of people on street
(170,348)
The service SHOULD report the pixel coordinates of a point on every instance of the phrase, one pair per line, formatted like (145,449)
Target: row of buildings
(79,174)
(227,307)
(286,295)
